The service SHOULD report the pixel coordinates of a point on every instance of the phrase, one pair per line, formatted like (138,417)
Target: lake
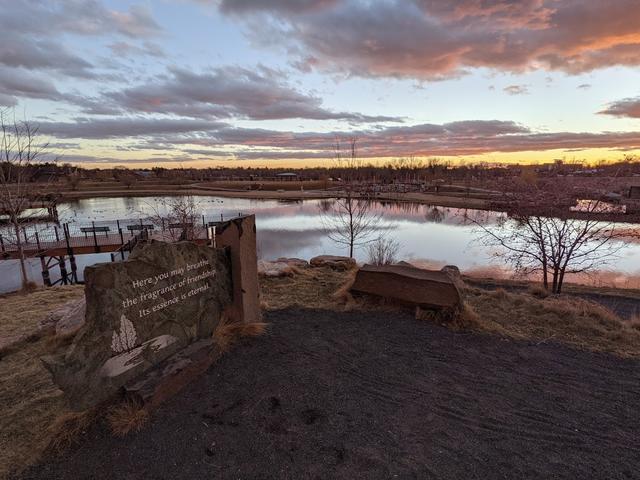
(428,235)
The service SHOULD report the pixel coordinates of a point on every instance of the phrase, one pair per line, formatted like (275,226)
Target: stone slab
(410,285)
(172,375)
(165,297)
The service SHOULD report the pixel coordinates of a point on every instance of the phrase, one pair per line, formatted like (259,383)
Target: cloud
(280,6)
(86,17)
(125,127)
(628,107)
(226,92)
(126,49)
(516,89)
(216,139)
(35,54)
(33,34)
(19,83)
(433,39)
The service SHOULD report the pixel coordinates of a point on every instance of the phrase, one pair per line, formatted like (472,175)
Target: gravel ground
(380,395)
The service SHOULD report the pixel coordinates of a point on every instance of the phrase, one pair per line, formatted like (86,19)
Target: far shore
(413,197)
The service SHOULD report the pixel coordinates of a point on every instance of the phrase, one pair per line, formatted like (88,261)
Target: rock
(67,319)
(409,285)
(165,297)
(402,263)
(333,261)
(453,273)
(295,262)
(274,269)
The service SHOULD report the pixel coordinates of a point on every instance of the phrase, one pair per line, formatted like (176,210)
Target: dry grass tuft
(456,319)
(343,293)
(66,429)
(127,417)
(227,333)
(499,294)
(29,288)
(538,291)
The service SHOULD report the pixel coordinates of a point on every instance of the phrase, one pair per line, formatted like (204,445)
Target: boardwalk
(71,239)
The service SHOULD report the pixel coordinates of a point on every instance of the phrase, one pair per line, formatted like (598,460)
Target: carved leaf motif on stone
(126,339)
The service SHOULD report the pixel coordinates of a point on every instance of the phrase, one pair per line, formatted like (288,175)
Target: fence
(97,236)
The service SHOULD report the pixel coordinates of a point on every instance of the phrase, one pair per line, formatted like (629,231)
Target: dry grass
(311,288)
(66,429)
(464,318)
(20,313)
(127,417)
(563,318)
(227,333)
(538,291)
(30,404)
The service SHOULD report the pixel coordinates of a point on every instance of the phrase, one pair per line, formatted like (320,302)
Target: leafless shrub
(383,251)
(176,216)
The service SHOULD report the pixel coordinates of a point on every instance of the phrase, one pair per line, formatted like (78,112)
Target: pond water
(428,235)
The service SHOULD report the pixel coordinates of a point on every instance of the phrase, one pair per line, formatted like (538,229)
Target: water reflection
(431,235)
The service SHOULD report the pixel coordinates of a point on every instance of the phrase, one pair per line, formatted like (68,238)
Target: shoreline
(421,198)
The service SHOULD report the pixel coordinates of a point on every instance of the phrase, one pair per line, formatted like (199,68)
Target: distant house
(287,176)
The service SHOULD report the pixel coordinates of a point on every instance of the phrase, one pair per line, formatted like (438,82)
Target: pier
(58,245)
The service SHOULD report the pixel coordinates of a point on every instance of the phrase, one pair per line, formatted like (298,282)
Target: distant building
(287,176)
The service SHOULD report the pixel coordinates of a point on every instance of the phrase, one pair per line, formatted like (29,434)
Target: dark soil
(380,395)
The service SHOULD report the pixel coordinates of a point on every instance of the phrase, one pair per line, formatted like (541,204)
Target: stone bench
(408,285)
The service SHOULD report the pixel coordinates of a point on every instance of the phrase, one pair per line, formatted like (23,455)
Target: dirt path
(378,395)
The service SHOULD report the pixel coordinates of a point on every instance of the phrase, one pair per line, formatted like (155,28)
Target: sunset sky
(257,82)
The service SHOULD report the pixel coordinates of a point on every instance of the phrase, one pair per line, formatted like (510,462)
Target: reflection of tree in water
(479,217)
(326,205)
(434,214)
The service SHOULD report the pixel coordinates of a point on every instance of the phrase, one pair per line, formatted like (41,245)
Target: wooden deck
(84,244)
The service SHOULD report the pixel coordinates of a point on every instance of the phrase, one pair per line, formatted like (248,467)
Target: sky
(202,83)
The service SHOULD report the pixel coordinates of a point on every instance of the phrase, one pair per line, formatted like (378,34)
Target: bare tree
(346,157)
(21,150)
(383,251)
(350,221)
(177,217)
(541,235)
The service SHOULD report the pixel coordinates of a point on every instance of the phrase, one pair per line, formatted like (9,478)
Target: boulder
(295,262)
(408,285)
(67,319)
(139,312)
(333,261)
(274,269)
(453,273)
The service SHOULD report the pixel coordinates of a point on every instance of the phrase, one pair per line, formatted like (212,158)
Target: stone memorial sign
(139,312)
